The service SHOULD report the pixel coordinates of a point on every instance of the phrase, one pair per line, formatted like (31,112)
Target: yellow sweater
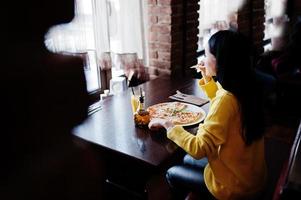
(235,171)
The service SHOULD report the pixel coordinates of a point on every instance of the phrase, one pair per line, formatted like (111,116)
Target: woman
(231,137)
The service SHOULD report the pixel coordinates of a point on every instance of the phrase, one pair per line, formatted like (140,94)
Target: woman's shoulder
(223,105)
(221,93)
(225,98)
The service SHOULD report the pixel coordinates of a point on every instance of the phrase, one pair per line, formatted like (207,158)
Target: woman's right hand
(201,68)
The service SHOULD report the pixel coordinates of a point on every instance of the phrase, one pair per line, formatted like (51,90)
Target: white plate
(192,108)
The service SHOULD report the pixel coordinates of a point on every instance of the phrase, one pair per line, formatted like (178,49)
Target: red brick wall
(191,33)
(170,21)
(164,16)
(173,29)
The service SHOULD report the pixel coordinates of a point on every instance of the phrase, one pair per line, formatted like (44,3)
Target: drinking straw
(140,92)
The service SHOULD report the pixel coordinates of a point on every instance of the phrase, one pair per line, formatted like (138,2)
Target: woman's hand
(157,123)
(201,68)
(205,75)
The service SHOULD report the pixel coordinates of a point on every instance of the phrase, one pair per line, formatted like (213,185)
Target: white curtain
(109,27)
(212,11)
(217,15)
(100,23)
(121,34)
(126,26)
(276,7)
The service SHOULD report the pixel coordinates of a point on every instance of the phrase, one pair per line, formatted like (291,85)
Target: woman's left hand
(158,123)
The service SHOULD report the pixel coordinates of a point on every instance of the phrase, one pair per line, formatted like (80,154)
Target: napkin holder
(118,85)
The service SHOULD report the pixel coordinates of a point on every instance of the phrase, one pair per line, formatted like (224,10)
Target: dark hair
(236,74)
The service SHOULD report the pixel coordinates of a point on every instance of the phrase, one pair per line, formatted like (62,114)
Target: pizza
(176,112)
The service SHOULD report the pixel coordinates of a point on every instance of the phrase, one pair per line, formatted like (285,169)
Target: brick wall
(191,33)
(173,29)
(251,22)
(170,21)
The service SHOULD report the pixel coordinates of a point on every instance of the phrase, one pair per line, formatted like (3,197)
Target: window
(275,20)
(100,31)
(216,15)
(126,31)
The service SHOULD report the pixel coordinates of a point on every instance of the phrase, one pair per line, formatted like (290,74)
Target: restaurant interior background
(126,43)
(166,37)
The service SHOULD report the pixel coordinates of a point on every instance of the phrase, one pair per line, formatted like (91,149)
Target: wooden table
(124,146)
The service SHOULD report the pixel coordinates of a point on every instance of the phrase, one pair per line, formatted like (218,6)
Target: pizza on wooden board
(176,112)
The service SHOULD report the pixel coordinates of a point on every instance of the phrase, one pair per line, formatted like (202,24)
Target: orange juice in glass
(134,102)
(136,93)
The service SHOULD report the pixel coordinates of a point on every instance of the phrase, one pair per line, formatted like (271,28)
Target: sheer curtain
(217,15)
(126,36)
(110,28)
(126,30)
(103,25)
(119,35)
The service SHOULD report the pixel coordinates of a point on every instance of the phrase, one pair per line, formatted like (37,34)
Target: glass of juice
(134,102)
(136,93)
